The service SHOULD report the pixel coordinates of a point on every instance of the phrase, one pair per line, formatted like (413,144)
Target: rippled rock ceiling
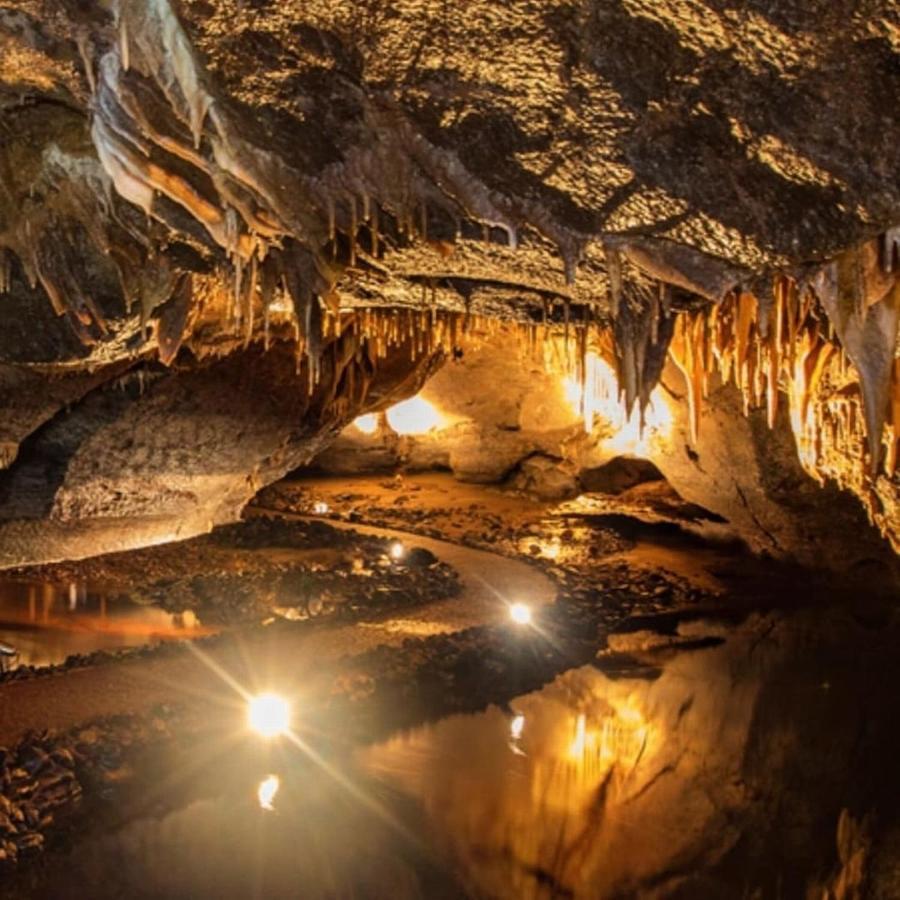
(215,205)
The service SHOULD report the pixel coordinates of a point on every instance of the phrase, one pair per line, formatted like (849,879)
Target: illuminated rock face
(157,455)
(517,417)
(711,184)
(496,406)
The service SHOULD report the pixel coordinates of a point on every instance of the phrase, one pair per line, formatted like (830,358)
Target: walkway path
(283,658)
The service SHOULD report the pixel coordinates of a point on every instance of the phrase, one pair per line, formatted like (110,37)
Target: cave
(449,452)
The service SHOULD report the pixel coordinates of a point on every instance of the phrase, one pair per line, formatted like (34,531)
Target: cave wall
(509,418)
(157,455)
(750,474)
(496,408)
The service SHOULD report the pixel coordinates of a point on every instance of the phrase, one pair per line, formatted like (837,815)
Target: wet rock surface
(257,574)
(44,777)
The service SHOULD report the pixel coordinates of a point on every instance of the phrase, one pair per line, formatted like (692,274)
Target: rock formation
(262,218)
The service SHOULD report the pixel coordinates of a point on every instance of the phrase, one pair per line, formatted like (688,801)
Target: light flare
(414,416)
(520,613)
(269,715)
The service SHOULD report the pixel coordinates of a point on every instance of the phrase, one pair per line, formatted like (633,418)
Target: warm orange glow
(414,416)
(599,398)
(397,551)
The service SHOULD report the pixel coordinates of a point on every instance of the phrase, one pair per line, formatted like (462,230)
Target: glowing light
(266,792)
(574,394)
(599,399)
(516,727)
(579,742)
(413,416)
(269,715)
(520,614)
(550,549)
(320,508)
(397,551)
(367,424)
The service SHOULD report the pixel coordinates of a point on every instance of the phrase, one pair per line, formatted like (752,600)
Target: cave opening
(449,455)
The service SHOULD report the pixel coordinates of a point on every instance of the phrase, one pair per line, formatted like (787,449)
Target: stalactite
(892,431)
(641,343)
(174,321)
(614,274)
(833,354)
(5,271)
(868,334)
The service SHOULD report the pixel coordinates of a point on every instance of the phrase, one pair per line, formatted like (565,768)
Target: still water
(762,767)
(48,622)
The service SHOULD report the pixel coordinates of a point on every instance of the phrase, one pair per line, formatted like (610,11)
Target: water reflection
(319,844)
(47,622)
(762,767)
(266,792)
(726,776)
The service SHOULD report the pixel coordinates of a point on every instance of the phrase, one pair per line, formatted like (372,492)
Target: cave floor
(648,528)
(288,655)
(624,591)
(633,558)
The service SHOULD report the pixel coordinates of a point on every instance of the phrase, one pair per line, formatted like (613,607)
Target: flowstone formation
(263,218)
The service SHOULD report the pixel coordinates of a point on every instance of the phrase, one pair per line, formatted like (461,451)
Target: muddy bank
(247,572)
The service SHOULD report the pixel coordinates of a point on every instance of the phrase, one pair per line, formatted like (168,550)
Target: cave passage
(436,742)
(449,450)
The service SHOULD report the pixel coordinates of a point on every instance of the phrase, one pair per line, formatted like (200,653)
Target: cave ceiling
(504,156)
(705,183)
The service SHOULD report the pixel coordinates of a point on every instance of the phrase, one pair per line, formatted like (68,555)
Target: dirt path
(284,658)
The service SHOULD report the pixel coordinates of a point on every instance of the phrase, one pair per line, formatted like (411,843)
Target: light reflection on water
(512,795)
(318,843)
(46,622)
(726,776)
(267,791)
